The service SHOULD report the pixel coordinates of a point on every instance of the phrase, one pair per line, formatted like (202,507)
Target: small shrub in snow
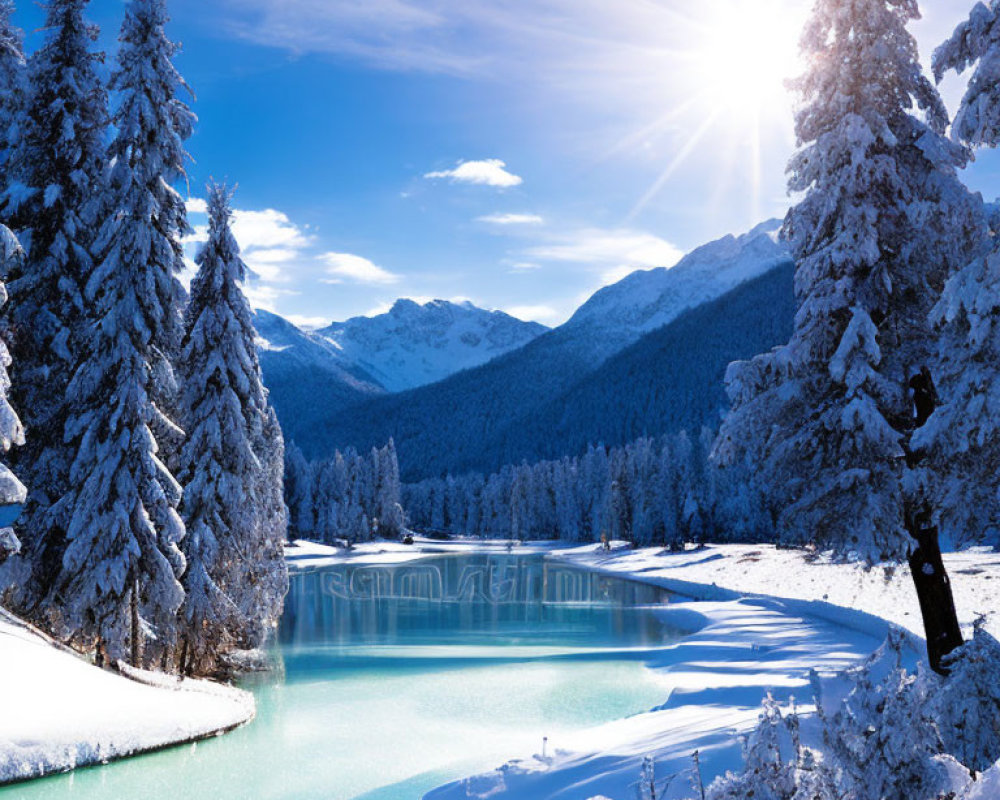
(777,767)
(966,704)
(881,743)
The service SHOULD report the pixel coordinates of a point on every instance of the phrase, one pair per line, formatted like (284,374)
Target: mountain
(313,375)
(414,345)
(307,381)
(538,402)
(620,314)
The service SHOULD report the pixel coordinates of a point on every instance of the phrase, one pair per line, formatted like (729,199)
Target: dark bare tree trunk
(937,604)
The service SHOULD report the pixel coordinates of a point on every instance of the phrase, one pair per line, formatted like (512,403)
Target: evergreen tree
(881,742)
(12,68)
(11,433)
(962,438)
(119,584)
(60,164)
(299,491)
(265,582)
(223,468)
(966,703)
(882,223)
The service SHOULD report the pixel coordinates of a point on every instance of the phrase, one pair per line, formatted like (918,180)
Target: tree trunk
(134,603)
(937,604)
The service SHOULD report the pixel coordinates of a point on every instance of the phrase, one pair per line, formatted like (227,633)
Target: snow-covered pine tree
(12,68)
(60,167)
(881,742)
(387,509)
(263,597)
(230,463)
(765,773)
(883,221)
(962,438)
(299,491)
(11,433)
(966,703)
(119,584)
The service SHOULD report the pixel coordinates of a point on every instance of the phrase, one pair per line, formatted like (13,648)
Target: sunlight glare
(748,52)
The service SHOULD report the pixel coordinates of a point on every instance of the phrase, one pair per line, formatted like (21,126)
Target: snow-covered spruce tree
(12,68)
(883,222)
(262,597)
(299,491)
(881,741)
(233,506)
(966,703)
(11,433)
(119,586)
(962,438)
(60,169)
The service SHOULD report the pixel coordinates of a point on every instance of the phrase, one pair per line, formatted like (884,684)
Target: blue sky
(520,154)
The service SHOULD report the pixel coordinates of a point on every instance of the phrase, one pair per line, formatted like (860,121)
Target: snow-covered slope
(58,712)
(413,344)
(618,315)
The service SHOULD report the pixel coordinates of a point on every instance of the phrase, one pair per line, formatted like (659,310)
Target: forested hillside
(545,400)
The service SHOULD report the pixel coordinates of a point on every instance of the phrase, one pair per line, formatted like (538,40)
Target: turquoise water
(397,678)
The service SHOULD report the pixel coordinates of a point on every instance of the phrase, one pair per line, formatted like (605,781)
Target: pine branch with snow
(12,90)
(12,491)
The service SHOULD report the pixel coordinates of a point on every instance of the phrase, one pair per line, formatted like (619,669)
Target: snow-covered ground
(848,594)
(305,555)
(58,712)
(772,615)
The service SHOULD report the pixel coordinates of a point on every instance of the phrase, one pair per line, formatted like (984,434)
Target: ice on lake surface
(397,678)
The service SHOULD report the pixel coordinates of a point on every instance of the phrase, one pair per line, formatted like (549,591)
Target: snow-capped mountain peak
(414,344)
(620,314)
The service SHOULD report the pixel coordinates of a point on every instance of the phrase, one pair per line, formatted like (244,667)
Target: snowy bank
(58,712)
(848,594)
(773,615)
(302,554)
(714,682)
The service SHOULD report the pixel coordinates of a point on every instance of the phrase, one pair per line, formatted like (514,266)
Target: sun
(745,54)
(730,64)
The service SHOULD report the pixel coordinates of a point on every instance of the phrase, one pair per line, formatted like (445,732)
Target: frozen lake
(397,678)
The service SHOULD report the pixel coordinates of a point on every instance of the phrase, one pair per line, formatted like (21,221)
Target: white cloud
(266,297)
(266,230)
(269,241)
(357,269)
(308,323)
(523,266)
(540,313)
(488,172)
(511,219)
(615,253)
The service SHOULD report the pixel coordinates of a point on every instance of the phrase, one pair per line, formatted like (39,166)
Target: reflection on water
(399,678)
(492,599)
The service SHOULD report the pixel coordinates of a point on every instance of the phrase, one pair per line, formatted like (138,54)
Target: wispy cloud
(539,313)
(196,205)
(522,266)
(266,297)
(356,269)
(308,323)
(270,242)
(613,253)
(511,219)
(488,172)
